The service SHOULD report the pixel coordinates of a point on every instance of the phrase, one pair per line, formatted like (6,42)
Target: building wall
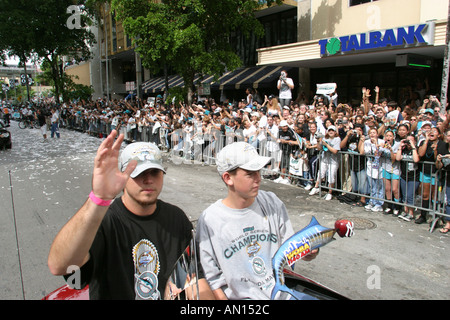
(82,71)
(116,38)
(333,18)
(336,18)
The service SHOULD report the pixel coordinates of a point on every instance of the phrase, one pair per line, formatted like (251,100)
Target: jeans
(54,129)
(376,191)
(408,189)
(313,168)
(285,102)
(359,181)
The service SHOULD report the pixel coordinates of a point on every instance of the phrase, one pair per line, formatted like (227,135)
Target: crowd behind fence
(190,144)
(364,154)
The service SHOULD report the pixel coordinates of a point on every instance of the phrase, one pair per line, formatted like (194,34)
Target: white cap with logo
(147,155)
(240,155)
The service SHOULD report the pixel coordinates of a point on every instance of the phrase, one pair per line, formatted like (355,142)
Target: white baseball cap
(427,123)
(240,155)
(283,123)
(332,128)
(147,155)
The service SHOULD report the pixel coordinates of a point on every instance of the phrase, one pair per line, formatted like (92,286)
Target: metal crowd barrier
(191,146)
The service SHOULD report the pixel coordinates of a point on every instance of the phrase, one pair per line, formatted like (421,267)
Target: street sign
(24,78)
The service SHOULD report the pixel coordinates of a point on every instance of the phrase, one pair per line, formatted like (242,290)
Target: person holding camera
(372,148)
(285,85)
(426,151)
(391,173)
(356,162)
(408,178)
(329,164)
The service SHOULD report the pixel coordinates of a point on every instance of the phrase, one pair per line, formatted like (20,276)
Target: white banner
(326,88)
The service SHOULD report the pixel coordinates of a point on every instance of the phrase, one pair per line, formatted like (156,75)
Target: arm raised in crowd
(377,94)
(365,100)
(71,245)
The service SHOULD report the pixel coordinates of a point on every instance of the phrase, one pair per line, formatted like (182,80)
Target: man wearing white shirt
(55,126)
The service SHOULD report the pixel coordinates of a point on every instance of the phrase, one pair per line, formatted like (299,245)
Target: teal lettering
(250,240)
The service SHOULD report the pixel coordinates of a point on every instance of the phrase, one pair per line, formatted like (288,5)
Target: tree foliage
(40,28)
(190,36)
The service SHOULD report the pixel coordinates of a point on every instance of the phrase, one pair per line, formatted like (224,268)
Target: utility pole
(445,68)
(138,74)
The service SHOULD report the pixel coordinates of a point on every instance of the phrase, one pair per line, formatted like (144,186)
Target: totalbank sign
(412,36)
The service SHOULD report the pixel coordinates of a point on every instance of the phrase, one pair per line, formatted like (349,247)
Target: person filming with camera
(285,85)
(409,173)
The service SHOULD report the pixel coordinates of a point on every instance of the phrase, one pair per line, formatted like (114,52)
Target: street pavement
(44,184)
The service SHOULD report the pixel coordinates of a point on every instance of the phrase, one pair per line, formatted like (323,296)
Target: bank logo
(333,46)
(404,37)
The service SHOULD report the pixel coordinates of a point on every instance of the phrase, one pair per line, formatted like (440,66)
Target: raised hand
(107,179)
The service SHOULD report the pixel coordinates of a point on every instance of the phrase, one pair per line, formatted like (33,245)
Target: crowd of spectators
(386,152)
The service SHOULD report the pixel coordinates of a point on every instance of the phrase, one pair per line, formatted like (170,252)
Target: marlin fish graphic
(300,245)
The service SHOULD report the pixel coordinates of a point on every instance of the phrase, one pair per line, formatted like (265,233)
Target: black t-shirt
(133,256)
(287,135)
(428,168)
(408,167)
(41,119)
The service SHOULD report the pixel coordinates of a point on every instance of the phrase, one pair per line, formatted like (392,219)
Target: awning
(241,78)
(250,77)
(156,85)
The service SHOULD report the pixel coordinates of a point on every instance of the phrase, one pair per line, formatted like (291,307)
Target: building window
(113,32)
(129,43)
(279,28)
(357,2)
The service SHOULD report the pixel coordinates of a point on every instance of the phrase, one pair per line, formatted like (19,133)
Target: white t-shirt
(328,156)
(272,144)
(250,134)
(285,91)
(386,162)
(373,167)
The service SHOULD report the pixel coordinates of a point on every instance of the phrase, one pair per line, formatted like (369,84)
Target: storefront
(395,83)
(396,60)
